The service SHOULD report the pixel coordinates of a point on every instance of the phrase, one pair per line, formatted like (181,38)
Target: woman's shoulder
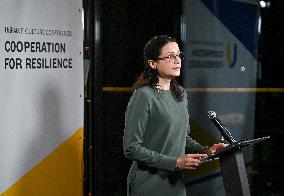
(183,90)
(145,90)
(142,95)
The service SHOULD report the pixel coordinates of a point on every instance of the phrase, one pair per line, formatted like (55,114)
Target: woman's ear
(152,64)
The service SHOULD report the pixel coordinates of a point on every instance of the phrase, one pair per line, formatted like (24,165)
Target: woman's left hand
(216,147)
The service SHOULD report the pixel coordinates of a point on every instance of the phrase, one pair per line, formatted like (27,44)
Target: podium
(232,161)
(233,167)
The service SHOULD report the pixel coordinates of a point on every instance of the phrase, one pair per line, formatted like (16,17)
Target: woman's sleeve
(136,117)
(193,146)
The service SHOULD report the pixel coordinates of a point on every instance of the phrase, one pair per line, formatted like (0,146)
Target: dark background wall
(116,61)
(268,162)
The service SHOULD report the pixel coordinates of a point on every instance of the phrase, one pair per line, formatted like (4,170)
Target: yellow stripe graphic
(59,174)
(229,54)
(116,89)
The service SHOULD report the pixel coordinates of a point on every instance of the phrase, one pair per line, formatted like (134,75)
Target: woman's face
(169,62)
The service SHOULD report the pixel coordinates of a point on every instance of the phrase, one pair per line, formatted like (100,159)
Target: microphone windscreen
(211,114)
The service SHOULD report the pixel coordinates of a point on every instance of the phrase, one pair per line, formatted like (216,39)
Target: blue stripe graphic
(240,18)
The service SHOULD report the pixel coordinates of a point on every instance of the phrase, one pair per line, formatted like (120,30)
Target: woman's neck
(164,83)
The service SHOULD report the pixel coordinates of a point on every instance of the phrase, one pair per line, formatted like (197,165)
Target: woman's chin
(177,73)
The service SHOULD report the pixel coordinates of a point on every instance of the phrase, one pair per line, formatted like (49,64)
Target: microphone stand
(231,160)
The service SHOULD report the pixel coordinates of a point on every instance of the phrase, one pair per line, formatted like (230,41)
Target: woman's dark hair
(150,76)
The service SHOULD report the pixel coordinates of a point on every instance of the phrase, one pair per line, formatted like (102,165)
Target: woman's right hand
(189,161)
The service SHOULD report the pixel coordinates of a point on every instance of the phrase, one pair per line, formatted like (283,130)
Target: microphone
(224,131)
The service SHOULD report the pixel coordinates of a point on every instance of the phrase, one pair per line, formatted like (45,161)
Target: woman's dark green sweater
(155,135)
